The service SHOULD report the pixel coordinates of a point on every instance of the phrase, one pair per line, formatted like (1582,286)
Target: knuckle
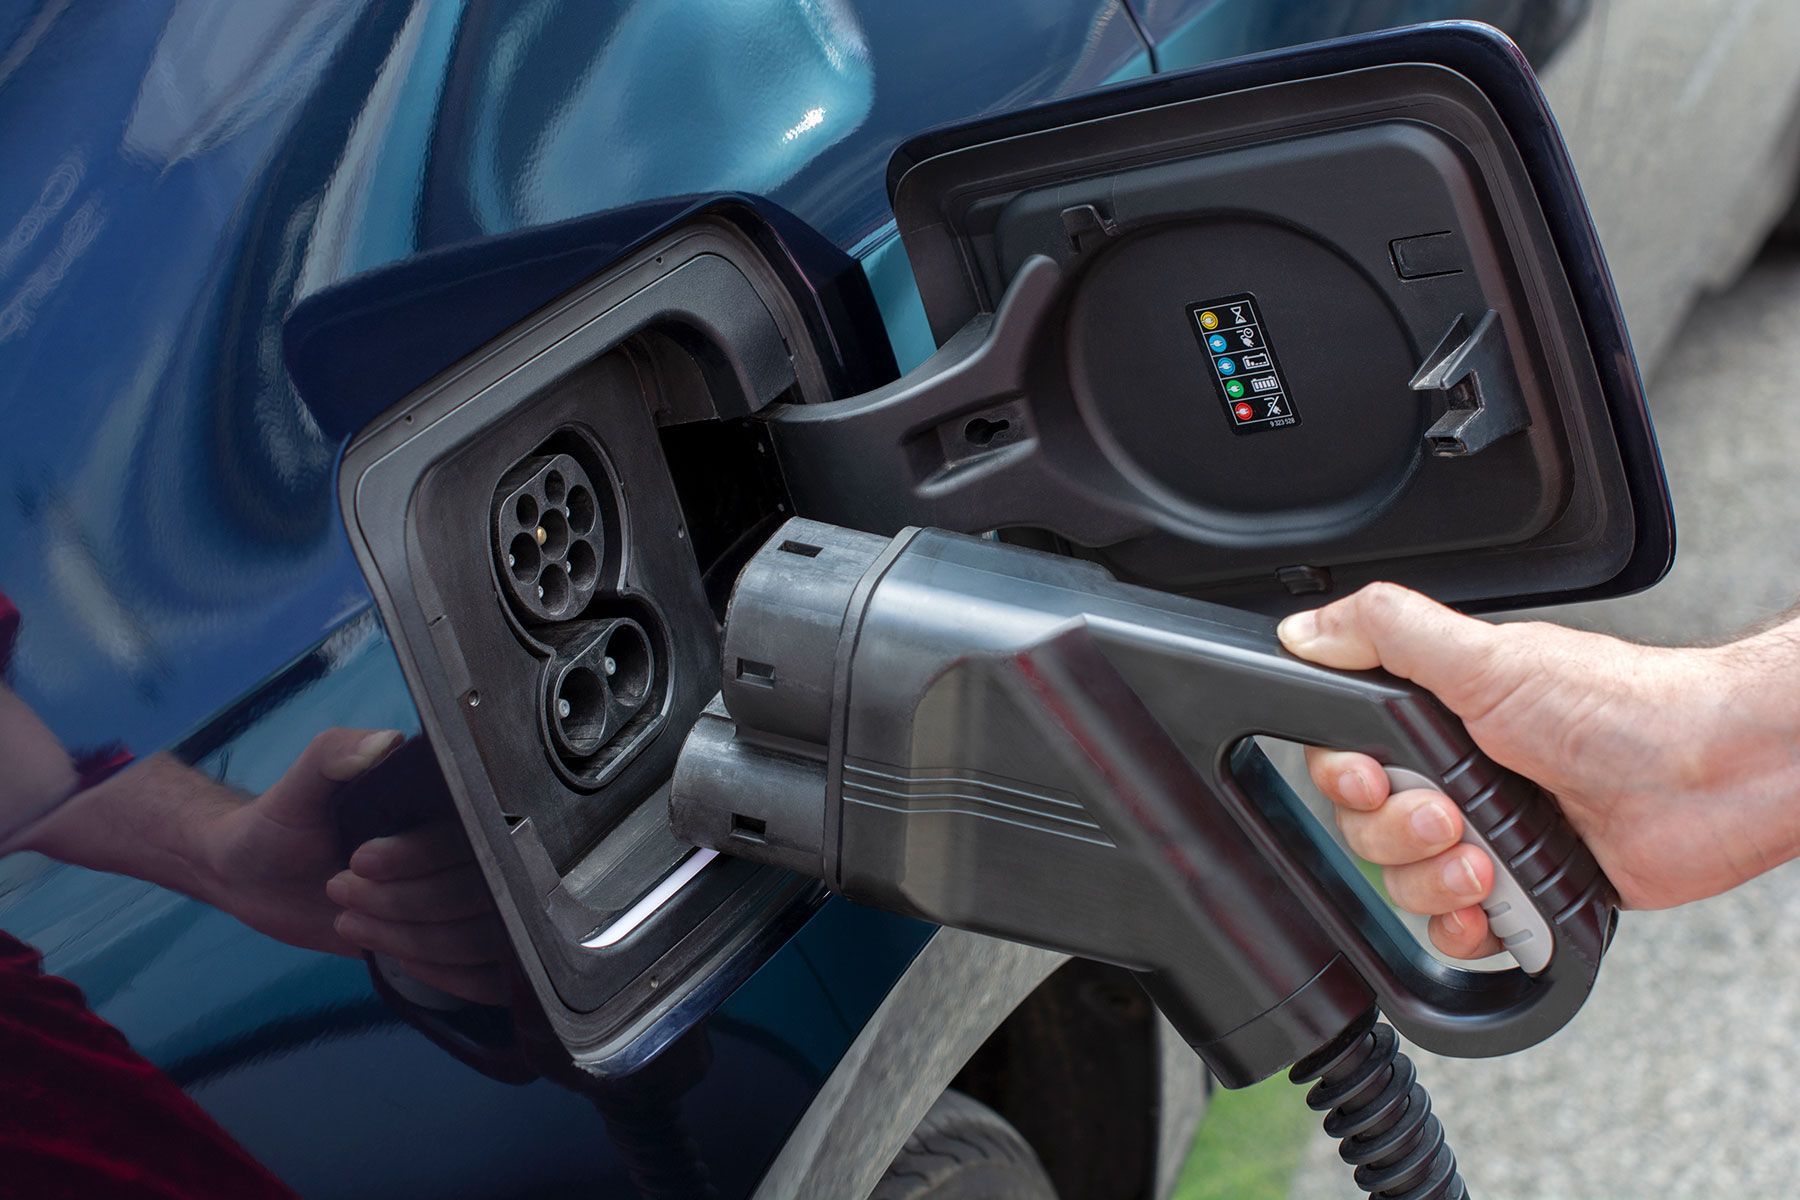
(1417,888)
(1391,841)
(1400,889)
(1338,617)
(1382,605)
(324,740)
(1325,767)
(1358,837)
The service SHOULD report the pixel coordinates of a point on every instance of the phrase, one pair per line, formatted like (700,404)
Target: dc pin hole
(581,709)
(627,662)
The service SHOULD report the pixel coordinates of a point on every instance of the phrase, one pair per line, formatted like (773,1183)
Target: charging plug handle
(1015,743)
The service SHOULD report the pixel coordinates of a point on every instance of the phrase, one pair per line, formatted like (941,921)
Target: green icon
(1234,388)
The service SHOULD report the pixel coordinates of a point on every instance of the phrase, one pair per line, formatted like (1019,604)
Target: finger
(369,747)
(486,984)
(1348,779)
(1444,883)
(330,760)
(1388,626)
(424,850)
(1411,827)
(470,942)
(448,895)
(1464,934)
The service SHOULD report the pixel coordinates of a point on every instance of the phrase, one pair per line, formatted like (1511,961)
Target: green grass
(1251,1141)
(1249,1144)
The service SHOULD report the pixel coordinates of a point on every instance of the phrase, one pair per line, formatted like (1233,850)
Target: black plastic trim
(712,288)
(1496,66)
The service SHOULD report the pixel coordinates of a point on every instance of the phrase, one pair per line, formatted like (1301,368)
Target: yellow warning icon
(1209,319)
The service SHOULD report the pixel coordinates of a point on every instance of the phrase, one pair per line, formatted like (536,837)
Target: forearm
(1753,747)
(38,774)
(148,821)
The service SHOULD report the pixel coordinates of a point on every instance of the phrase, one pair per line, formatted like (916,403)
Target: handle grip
(1218,685)
(1511,915)
(1552,906)
(1548,887)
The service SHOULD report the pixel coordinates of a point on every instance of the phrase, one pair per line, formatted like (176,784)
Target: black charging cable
(1375,1105)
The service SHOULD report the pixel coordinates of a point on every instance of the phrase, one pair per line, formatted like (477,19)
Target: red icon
(1243,410)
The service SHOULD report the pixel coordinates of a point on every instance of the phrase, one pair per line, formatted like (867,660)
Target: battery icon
(1257,361)
(1264,383)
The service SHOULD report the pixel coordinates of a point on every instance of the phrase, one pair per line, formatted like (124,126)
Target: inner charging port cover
(1252,354)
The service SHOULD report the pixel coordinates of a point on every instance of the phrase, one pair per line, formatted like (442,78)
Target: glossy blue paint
(179,175)
(1187,33)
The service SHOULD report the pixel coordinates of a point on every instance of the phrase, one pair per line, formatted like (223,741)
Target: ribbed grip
(1534,843)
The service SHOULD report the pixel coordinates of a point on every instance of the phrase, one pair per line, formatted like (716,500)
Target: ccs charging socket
(602,653)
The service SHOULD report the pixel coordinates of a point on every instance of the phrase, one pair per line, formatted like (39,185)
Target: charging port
(598,689)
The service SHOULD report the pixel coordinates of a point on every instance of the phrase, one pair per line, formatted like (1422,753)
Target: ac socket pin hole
(553,533)
(581,510)
(584,566)
(523,558)
(553,589)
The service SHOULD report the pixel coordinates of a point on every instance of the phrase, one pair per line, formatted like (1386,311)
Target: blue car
(390,893)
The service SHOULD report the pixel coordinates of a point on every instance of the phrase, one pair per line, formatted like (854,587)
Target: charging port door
(1266,332)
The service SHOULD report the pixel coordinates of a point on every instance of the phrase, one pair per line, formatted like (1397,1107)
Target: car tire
(964,1150)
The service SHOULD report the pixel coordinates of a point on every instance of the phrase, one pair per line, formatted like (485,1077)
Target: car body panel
(179,176)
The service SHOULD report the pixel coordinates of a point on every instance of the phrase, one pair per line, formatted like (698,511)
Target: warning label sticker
(1243,365)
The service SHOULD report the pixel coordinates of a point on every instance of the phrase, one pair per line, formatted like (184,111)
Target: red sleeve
(82,1114)
(9,631)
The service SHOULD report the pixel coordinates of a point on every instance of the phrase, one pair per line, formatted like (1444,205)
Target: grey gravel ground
(1681,1078)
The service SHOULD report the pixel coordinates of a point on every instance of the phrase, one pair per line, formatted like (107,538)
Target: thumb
(1407,634)
(332,759)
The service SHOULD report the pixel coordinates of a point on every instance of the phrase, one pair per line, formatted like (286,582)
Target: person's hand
(416,897)
(1679,768)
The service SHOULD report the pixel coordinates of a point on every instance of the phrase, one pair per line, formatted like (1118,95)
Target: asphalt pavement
(1681,1077)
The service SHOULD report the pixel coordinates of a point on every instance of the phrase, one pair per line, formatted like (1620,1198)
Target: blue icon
(1227,367)
(1218,343)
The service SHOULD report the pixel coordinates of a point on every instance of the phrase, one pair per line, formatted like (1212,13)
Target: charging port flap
(1265,332)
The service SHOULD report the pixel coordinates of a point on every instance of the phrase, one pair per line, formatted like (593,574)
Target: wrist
(196,842)
(1749,741)
(159,820)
